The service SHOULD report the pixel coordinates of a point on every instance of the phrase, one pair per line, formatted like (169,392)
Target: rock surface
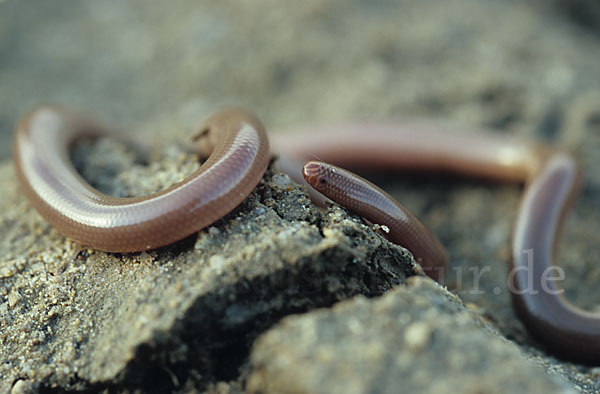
(404,341)
(185,317)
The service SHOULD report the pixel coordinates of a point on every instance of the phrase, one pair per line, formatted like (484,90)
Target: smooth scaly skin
(65,200)
(551,180)
(568,331)
(240,157)
(372,203)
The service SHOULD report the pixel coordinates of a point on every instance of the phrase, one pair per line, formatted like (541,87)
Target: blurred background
(526,67)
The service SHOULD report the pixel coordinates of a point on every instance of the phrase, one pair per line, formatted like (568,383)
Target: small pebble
(417,335)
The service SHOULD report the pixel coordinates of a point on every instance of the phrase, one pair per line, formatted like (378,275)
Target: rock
(184,315)
(417,338)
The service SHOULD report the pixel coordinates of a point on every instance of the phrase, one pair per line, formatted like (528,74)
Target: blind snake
(41,155)
(240,155)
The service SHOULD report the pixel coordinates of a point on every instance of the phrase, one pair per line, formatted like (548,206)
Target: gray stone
(182,315)
(417,338)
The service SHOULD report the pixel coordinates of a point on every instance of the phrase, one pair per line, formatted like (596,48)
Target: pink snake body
(241,155)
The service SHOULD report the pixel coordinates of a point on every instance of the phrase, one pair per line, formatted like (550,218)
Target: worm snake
(41,155)
(240,156)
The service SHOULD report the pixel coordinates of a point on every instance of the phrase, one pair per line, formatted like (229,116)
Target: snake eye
(322,181)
